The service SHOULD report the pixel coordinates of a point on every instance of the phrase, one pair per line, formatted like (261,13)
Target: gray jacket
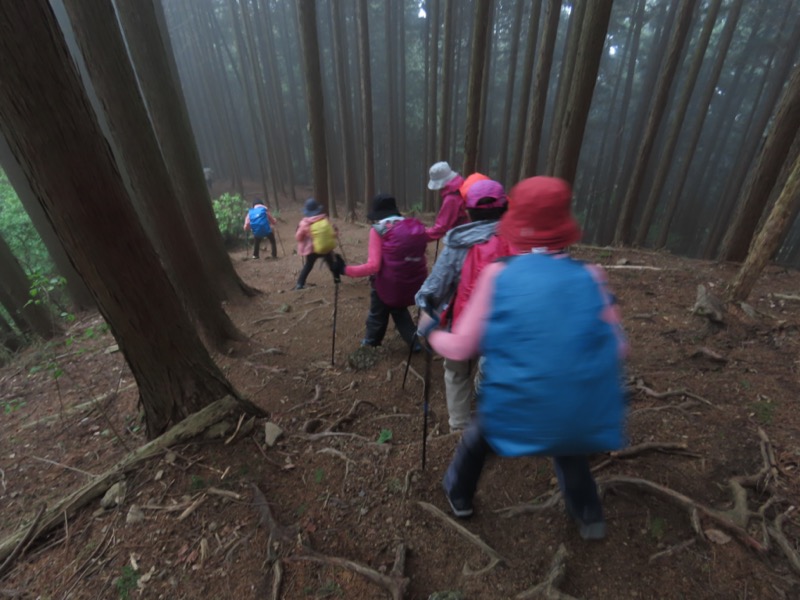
(440,287)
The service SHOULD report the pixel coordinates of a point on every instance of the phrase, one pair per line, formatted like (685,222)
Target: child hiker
(316,238)
(396,265)
(553,348)
(260,222)
(467,250)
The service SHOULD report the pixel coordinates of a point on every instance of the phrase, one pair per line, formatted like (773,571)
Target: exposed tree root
(671,393)
(672,549)
(494,557)
(395,584)
(664,447)
(549,587)
(24,542)
(186,429)
(351,414)
(552,500)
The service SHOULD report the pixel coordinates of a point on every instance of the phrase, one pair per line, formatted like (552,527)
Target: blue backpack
(259,222)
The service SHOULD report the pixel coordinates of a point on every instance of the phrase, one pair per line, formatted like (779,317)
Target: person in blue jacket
(549,333)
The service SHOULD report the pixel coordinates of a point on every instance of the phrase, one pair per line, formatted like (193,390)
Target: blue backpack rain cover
(259,222)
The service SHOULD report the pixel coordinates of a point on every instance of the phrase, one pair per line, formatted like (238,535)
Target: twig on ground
(672,549)
(671,393)
(63,466)
(494,557)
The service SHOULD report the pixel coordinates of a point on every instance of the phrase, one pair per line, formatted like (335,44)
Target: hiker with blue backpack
(316,238)
(396,266)
(260,222)
(549,332)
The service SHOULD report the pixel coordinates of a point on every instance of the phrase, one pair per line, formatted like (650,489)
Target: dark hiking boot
(461,507)
(588,527)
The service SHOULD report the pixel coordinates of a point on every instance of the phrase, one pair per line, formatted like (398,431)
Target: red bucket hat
(539,215)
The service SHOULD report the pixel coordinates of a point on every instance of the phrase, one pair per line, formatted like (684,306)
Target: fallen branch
(494,557)
(549,587)
(395,584)
(185,430)
(23,543)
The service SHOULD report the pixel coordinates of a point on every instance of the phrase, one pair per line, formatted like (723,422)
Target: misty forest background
(676,121)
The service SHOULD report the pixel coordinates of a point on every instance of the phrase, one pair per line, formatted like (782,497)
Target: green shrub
(230,210)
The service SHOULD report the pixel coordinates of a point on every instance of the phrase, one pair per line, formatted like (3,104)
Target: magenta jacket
(453,211)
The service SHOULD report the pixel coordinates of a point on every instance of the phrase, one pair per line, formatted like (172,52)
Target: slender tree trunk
(679,114)
(115,84)
(171,123)
(769,238)
(544,63)
(307,16)
(481,24)
(579,99)
(345,119)
(508,101)
(432,104)
(54,134)
(754,197)
(446,110)
(30,314)
(657,111)
(525,91)
(362,17)
(565,79)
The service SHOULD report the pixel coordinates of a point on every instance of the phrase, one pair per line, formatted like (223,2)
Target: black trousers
(257,245)
(309,264)
(378,321)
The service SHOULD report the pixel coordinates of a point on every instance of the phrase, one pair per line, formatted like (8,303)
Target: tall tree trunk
(362,17)
(754,197)
(508,101)
(769,238)
(535,116)
(29,315)
(565,79)
(657,111)
(307,16)
(665,156)
(432,75)
(481,24)
(78,292)
(54,134)
(579,99)
(171,123)
(446,83)
(115,84)
(518,145)
(345,118)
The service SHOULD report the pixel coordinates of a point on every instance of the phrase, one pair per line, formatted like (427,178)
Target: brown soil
(333,490)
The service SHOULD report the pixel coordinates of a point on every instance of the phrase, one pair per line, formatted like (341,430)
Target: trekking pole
(425,399)
(436,254)
(335,306)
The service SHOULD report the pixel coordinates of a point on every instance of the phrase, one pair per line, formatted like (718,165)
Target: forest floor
(341,495)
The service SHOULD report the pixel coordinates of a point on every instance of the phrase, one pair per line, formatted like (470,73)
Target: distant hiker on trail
(396,265)
(452,211)
(316,238)
(467,250)
(553,349)
(260,222)
(209,176)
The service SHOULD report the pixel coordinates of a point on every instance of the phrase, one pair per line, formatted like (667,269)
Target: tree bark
(769,238)
(54,134)
(481,25)
(535,116)
(171,123)
(576,112)
(307,15)
(362,17)
(115,84)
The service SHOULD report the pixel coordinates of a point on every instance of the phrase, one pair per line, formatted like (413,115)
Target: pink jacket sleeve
(374,256)
(464,341)
(446,219)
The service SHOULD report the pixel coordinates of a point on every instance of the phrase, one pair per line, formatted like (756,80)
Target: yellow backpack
(323,237)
